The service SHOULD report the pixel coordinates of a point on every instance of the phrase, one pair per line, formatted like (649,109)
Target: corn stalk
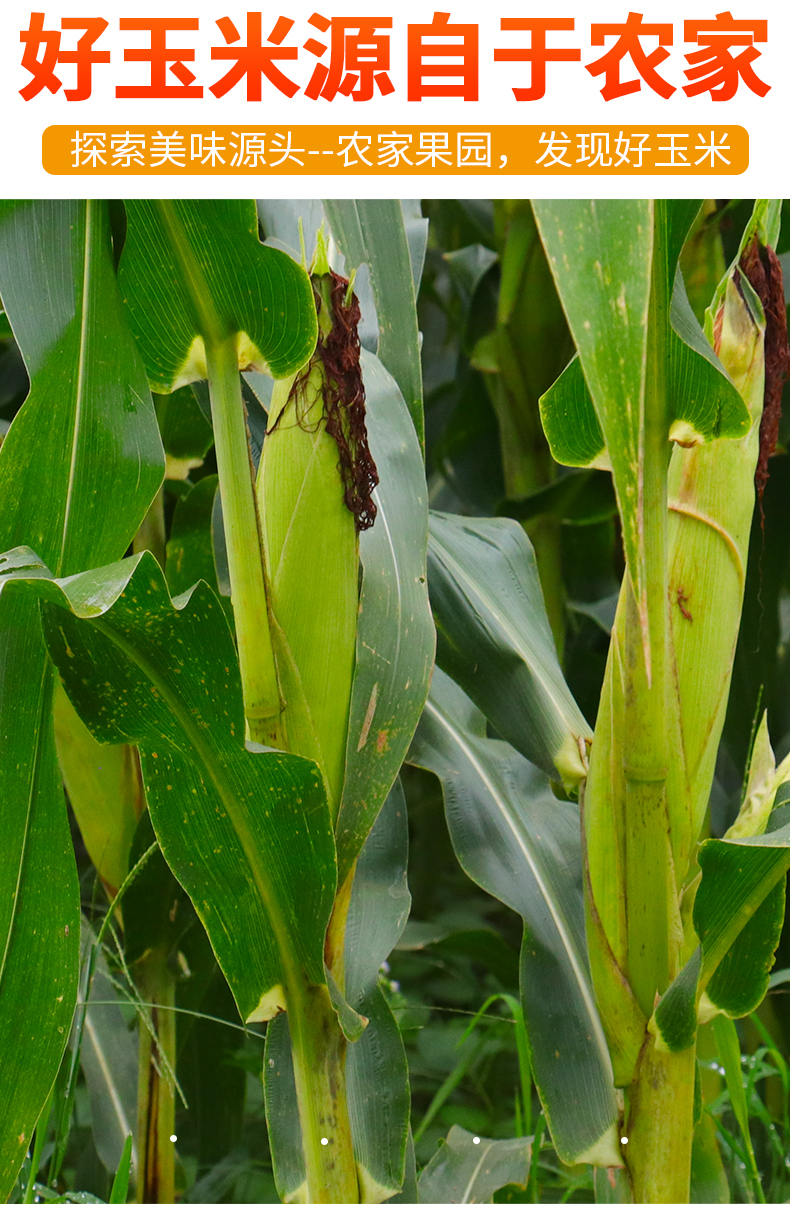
(686,519)
(292,543)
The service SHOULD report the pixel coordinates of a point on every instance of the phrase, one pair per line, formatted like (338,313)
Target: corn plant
(226,673)
(639,929)
(264,737)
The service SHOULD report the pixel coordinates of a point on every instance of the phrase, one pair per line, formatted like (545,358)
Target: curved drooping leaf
(395,634)
(194,270)
(247,834)
(494,639)
(569,420)
(84,442)
(469,1168)
(378,232)
(738,915)
(518,842)
(376,1070)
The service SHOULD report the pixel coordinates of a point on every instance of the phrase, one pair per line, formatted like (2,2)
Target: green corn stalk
(313,488)
(156,1092)
(219,354)
(294,573)
(710,500)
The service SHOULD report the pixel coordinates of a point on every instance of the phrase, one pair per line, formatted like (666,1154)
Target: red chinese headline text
(350,56)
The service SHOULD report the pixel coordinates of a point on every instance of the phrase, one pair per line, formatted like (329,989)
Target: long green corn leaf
(251,843)
(494,640)
(78,469)
(518,842)
(88,400)
(395,633)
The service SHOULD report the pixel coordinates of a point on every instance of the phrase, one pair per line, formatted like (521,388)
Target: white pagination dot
(173,1139)
(475,1139)
(623,1139)
(324,1140)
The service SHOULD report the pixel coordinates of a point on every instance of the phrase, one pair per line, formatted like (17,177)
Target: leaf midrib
(86,305)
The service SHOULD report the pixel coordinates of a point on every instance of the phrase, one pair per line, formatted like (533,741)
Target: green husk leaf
(395,632)
(310,543)
(78,468)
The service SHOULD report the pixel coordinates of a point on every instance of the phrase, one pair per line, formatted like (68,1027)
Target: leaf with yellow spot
(267,863)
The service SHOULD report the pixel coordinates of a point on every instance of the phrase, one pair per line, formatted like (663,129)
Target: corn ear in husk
(314,484)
